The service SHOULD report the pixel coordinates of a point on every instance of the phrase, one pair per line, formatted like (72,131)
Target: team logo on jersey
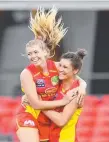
(55,80)
(40,83)
(51,91)
(29,123)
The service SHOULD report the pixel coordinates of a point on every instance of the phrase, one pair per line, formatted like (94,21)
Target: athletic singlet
(66,133)
(46,86)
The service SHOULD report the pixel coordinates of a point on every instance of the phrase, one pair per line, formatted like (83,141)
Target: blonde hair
(40,43)
(36,42)
(45,27)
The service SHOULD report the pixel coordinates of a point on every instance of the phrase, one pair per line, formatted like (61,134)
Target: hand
(81,95)
(73,92)
(68,98)
(24,100)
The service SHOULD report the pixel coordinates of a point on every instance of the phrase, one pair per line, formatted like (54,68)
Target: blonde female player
(40,78)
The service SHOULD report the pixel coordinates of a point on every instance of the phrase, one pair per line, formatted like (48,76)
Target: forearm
(56,117)
(62,118)
(39,104)
(30,90)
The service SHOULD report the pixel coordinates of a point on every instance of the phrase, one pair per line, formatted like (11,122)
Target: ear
(75,71)
(46,52)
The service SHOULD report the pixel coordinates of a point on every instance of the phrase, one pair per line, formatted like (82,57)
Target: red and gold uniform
(46,86)
(66,133)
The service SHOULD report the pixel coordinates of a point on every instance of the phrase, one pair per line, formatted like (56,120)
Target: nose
(33,56)
(60,69)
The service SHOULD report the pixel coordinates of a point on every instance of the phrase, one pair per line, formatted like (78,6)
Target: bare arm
(82,82)
(63,117)
(81,91)
(31,92)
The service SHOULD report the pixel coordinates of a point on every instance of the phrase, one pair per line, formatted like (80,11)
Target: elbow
(61,123)
(35,105)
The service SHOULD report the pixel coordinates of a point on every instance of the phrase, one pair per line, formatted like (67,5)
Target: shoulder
(81,82)
(25,73)
(50,61)
(30,67)
(52,64)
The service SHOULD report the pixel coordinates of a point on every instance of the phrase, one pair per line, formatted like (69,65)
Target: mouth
(61,74)
(36,60)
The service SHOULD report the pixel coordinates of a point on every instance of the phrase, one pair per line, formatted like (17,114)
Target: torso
(46,85)
(68,131)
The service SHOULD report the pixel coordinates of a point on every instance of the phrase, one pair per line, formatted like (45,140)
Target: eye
(36,52)
(29,54)
(65,67)
(59,64)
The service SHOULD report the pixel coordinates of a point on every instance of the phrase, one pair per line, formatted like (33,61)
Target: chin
(38,63)
(35,63)
(61,77)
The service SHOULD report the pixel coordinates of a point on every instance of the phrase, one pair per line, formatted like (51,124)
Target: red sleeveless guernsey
(46,85)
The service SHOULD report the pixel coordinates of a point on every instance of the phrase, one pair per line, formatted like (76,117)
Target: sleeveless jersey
(66,133)
(46,86)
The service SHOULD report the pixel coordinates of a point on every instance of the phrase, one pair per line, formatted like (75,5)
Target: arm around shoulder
(30,90)
(82,82)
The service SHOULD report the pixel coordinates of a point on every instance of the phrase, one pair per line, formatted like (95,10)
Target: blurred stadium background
(88,28)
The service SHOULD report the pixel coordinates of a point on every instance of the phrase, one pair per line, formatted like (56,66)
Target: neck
(44,67)
(67,83)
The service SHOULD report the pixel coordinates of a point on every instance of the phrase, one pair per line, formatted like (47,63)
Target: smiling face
(37,54)
(66,70)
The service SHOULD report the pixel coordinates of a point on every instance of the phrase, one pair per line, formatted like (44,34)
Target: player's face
(66,70)
(36,55)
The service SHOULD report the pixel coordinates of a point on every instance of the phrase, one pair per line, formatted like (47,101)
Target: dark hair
(81,53)
(75,57)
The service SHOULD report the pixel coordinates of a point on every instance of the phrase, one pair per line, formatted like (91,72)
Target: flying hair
(45,27)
